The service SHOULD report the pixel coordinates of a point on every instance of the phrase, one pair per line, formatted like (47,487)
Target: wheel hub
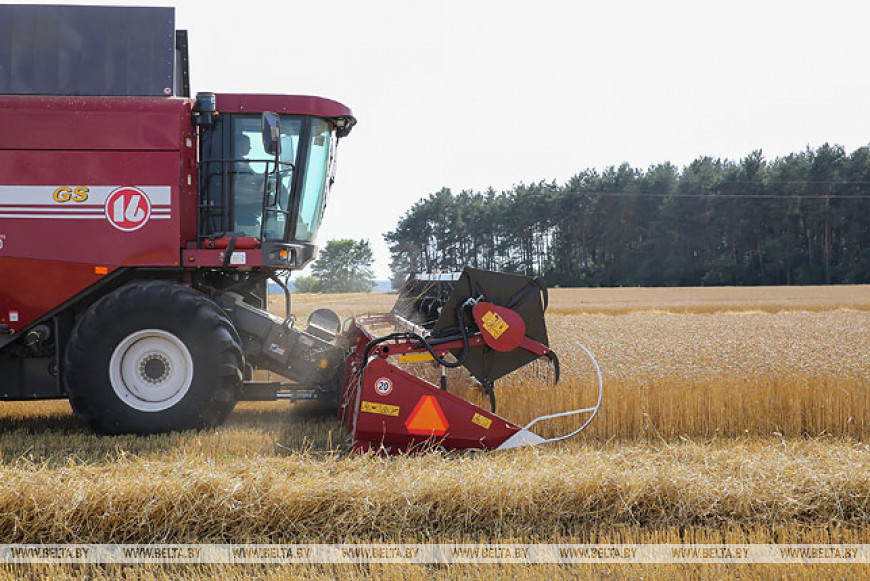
(154,368)
(151,370)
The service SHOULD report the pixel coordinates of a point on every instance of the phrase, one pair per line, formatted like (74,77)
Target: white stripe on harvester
(44,195)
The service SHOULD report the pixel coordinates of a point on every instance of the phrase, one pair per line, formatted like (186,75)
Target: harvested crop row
(570,491)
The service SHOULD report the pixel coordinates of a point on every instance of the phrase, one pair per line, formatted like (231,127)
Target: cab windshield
(244,191)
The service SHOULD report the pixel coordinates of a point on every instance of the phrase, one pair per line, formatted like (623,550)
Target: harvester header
(489,323)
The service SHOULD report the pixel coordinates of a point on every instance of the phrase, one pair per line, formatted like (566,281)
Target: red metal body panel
(39,283)
(390,420)
(214,258)
(37,226)
(90,182)
(92,123)
(287,104)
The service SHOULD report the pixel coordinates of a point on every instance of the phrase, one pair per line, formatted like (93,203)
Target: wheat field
(729,415)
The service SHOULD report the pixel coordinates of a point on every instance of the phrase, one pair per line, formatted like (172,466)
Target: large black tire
(153,357)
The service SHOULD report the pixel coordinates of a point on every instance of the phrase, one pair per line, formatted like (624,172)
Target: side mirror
(272,133)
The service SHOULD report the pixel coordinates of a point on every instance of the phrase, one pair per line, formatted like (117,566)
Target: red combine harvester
(139,229)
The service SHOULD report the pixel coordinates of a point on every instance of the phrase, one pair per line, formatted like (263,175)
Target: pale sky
(470,94)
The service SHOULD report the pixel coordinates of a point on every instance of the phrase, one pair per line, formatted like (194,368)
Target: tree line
(799,219)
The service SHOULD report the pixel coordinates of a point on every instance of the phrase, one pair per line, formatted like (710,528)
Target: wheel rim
(151,370)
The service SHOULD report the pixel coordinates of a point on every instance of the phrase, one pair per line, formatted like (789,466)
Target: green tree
(345,266)
(306,284)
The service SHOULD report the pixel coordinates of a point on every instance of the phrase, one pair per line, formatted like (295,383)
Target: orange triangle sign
(427,419)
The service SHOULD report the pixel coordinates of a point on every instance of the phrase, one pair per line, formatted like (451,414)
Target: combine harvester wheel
(149,357)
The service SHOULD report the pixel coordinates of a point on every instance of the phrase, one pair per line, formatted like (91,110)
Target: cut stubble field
(729,415)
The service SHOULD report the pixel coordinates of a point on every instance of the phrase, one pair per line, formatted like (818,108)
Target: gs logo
(66,194)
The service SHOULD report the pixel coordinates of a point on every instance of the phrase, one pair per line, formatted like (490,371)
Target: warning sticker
(494,324)
(415,357)
(238,258)
(482,421)
(427,418)
(384,386)
(379,408)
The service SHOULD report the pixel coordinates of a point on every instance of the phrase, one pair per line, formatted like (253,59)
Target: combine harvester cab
(489,323)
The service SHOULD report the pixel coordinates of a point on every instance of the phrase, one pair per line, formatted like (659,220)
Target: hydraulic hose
(424,342)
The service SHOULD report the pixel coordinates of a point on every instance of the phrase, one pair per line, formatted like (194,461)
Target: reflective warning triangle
(427,419)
